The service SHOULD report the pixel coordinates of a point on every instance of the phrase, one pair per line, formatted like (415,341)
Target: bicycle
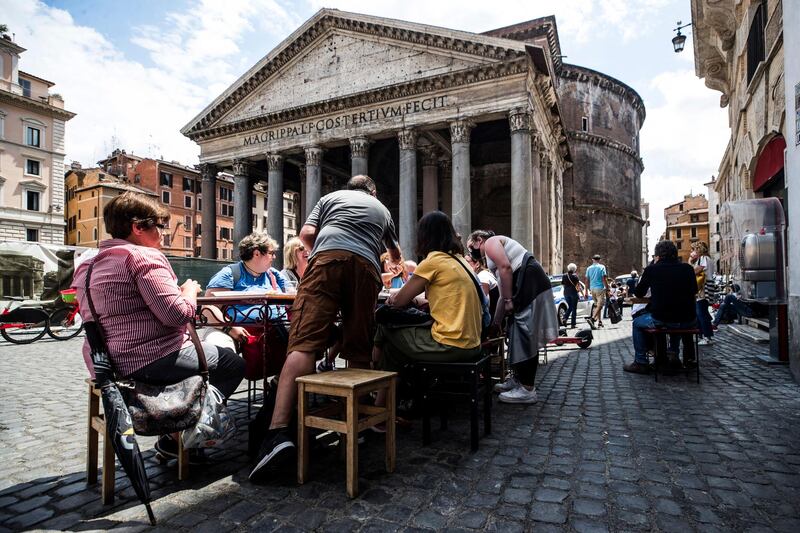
(23,324)
(65,322)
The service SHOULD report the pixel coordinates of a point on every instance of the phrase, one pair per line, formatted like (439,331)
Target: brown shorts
(336,281)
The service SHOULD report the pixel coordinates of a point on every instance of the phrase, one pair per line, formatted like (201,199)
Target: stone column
(359,156)
(430,180)
(547,218)
(407,140)
(208,215)
(242,215)
(462,202)
(447,186)
(521,202)
(275,202)
(313,179)
(536,199)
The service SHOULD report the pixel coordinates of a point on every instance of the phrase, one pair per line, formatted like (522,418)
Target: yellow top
(453,299)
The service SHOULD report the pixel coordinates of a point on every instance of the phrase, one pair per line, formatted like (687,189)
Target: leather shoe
(636,368)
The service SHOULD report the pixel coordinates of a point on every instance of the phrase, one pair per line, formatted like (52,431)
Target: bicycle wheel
(28,329)
(64,324)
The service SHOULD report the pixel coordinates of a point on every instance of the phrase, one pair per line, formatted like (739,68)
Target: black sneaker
(276,451)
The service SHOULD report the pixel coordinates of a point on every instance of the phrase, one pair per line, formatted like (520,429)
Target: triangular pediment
(341,64)
(335,54)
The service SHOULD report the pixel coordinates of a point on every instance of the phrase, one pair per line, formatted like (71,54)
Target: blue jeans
(704,318)
(572,309)
(640,338)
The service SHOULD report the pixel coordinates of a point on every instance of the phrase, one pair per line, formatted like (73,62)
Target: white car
(585,305)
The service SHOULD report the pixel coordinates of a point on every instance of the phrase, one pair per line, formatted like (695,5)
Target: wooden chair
(350,385)
(96,427)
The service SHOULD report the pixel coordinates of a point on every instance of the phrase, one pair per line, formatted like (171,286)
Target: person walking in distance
(346,232)
(597,281)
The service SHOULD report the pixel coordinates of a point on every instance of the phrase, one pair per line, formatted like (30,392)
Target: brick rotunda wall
(602,191)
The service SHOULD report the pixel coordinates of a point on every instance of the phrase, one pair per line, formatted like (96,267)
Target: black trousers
(526,371)
(225,368)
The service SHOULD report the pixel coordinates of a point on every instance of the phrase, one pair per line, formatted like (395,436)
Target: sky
(137,72)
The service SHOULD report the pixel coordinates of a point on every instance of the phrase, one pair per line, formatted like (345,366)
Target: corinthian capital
(519,120)
(275,162)
(430,157)
(314,156)
(208,172)
(359,147)
(241,167)
(407,139)
(460,131)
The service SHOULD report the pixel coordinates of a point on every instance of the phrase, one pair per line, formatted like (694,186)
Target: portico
(440,119)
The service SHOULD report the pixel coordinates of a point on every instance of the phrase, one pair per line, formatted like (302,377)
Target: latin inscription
(346,120)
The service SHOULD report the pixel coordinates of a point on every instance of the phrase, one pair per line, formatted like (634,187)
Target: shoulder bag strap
(92,310)
(474,279)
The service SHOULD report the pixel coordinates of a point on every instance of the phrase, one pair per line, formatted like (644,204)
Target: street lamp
(679,41)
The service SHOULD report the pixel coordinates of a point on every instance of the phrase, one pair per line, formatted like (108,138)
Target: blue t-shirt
(595,273)
(224,280)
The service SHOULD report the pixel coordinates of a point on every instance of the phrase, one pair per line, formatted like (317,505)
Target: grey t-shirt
(353,221)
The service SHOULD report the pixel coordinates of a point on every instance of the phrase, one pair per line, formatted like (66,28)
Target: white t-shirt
(484,276)
(515,252)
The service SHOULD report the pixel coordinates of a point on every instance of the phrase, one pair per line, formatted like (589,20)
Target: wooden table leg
(92,438)
(391,426)
(302,434)
(352,443)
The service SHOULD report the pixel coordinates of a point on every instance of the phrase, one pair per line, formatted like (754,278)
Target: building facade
(645,237)
(714,239)
(32,124)
(441,119)
(738,48)
(687,223)
(87,191)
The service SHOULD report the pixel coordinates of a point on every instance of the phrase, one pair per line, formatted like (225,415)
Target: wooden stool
(349,384)
(97,427)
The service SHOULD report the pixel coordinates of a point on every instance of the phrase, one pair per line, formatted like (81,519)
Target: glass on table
(290,286)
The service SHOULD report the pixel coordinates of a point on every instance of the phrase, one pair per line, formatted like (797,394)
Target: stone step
(749,332)
(760,323)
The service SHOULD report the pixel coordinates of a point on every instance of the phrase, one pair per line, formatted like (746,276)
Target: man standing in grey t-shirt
(346,232)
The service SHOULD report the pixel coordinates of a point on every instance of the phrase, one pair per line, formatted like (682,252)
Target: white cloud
(682,142)
(124,103)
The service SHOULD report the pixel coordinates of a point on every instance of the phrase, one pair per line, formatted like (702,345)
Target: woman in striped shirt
(140,307)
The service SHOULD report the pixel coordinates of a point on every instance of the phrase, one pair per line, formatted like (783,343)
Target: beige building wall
(32,125)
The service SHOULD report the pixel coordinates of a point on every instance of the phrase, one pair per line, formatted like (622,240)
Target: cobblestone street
(601,451)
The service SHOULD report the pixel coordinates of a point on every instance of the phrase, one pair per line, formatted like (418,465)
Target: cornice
(28,103)
(599,140)
(604,81)
(375,96)
(527,31)
(331,21)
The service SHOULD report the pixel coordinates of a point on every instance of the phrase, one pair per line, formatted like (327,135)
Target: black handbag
(613,313)
(160,409)
(397,317)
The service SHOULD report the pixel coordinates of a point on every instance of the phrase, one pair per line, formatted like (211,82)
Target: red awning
(769,163)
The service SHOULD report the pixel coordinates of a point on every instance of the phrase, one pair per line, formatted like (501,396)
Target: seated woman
(254,272)
(393,274)
(455,305)
(295,260)
(142,310)
(487,280)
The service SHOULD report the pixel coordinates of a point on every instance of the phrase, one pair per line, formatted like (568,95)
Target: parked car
(585,305)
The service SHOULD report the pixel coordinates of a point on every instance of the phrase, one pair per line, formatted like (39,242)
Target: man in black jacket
(672,288)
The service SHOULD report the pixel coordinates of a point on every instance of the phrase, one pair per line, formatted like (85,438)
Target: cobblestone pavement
(602,450)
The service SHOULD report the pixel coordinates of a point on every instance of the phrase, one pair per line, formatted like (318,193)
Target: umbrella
(118,420)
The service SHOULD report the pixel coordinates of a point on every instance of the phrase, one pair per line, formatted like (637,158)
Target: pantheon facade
(467,123)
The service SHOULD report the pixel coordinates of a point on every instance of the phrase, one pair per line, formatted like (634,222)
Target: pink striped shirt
(140,307)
